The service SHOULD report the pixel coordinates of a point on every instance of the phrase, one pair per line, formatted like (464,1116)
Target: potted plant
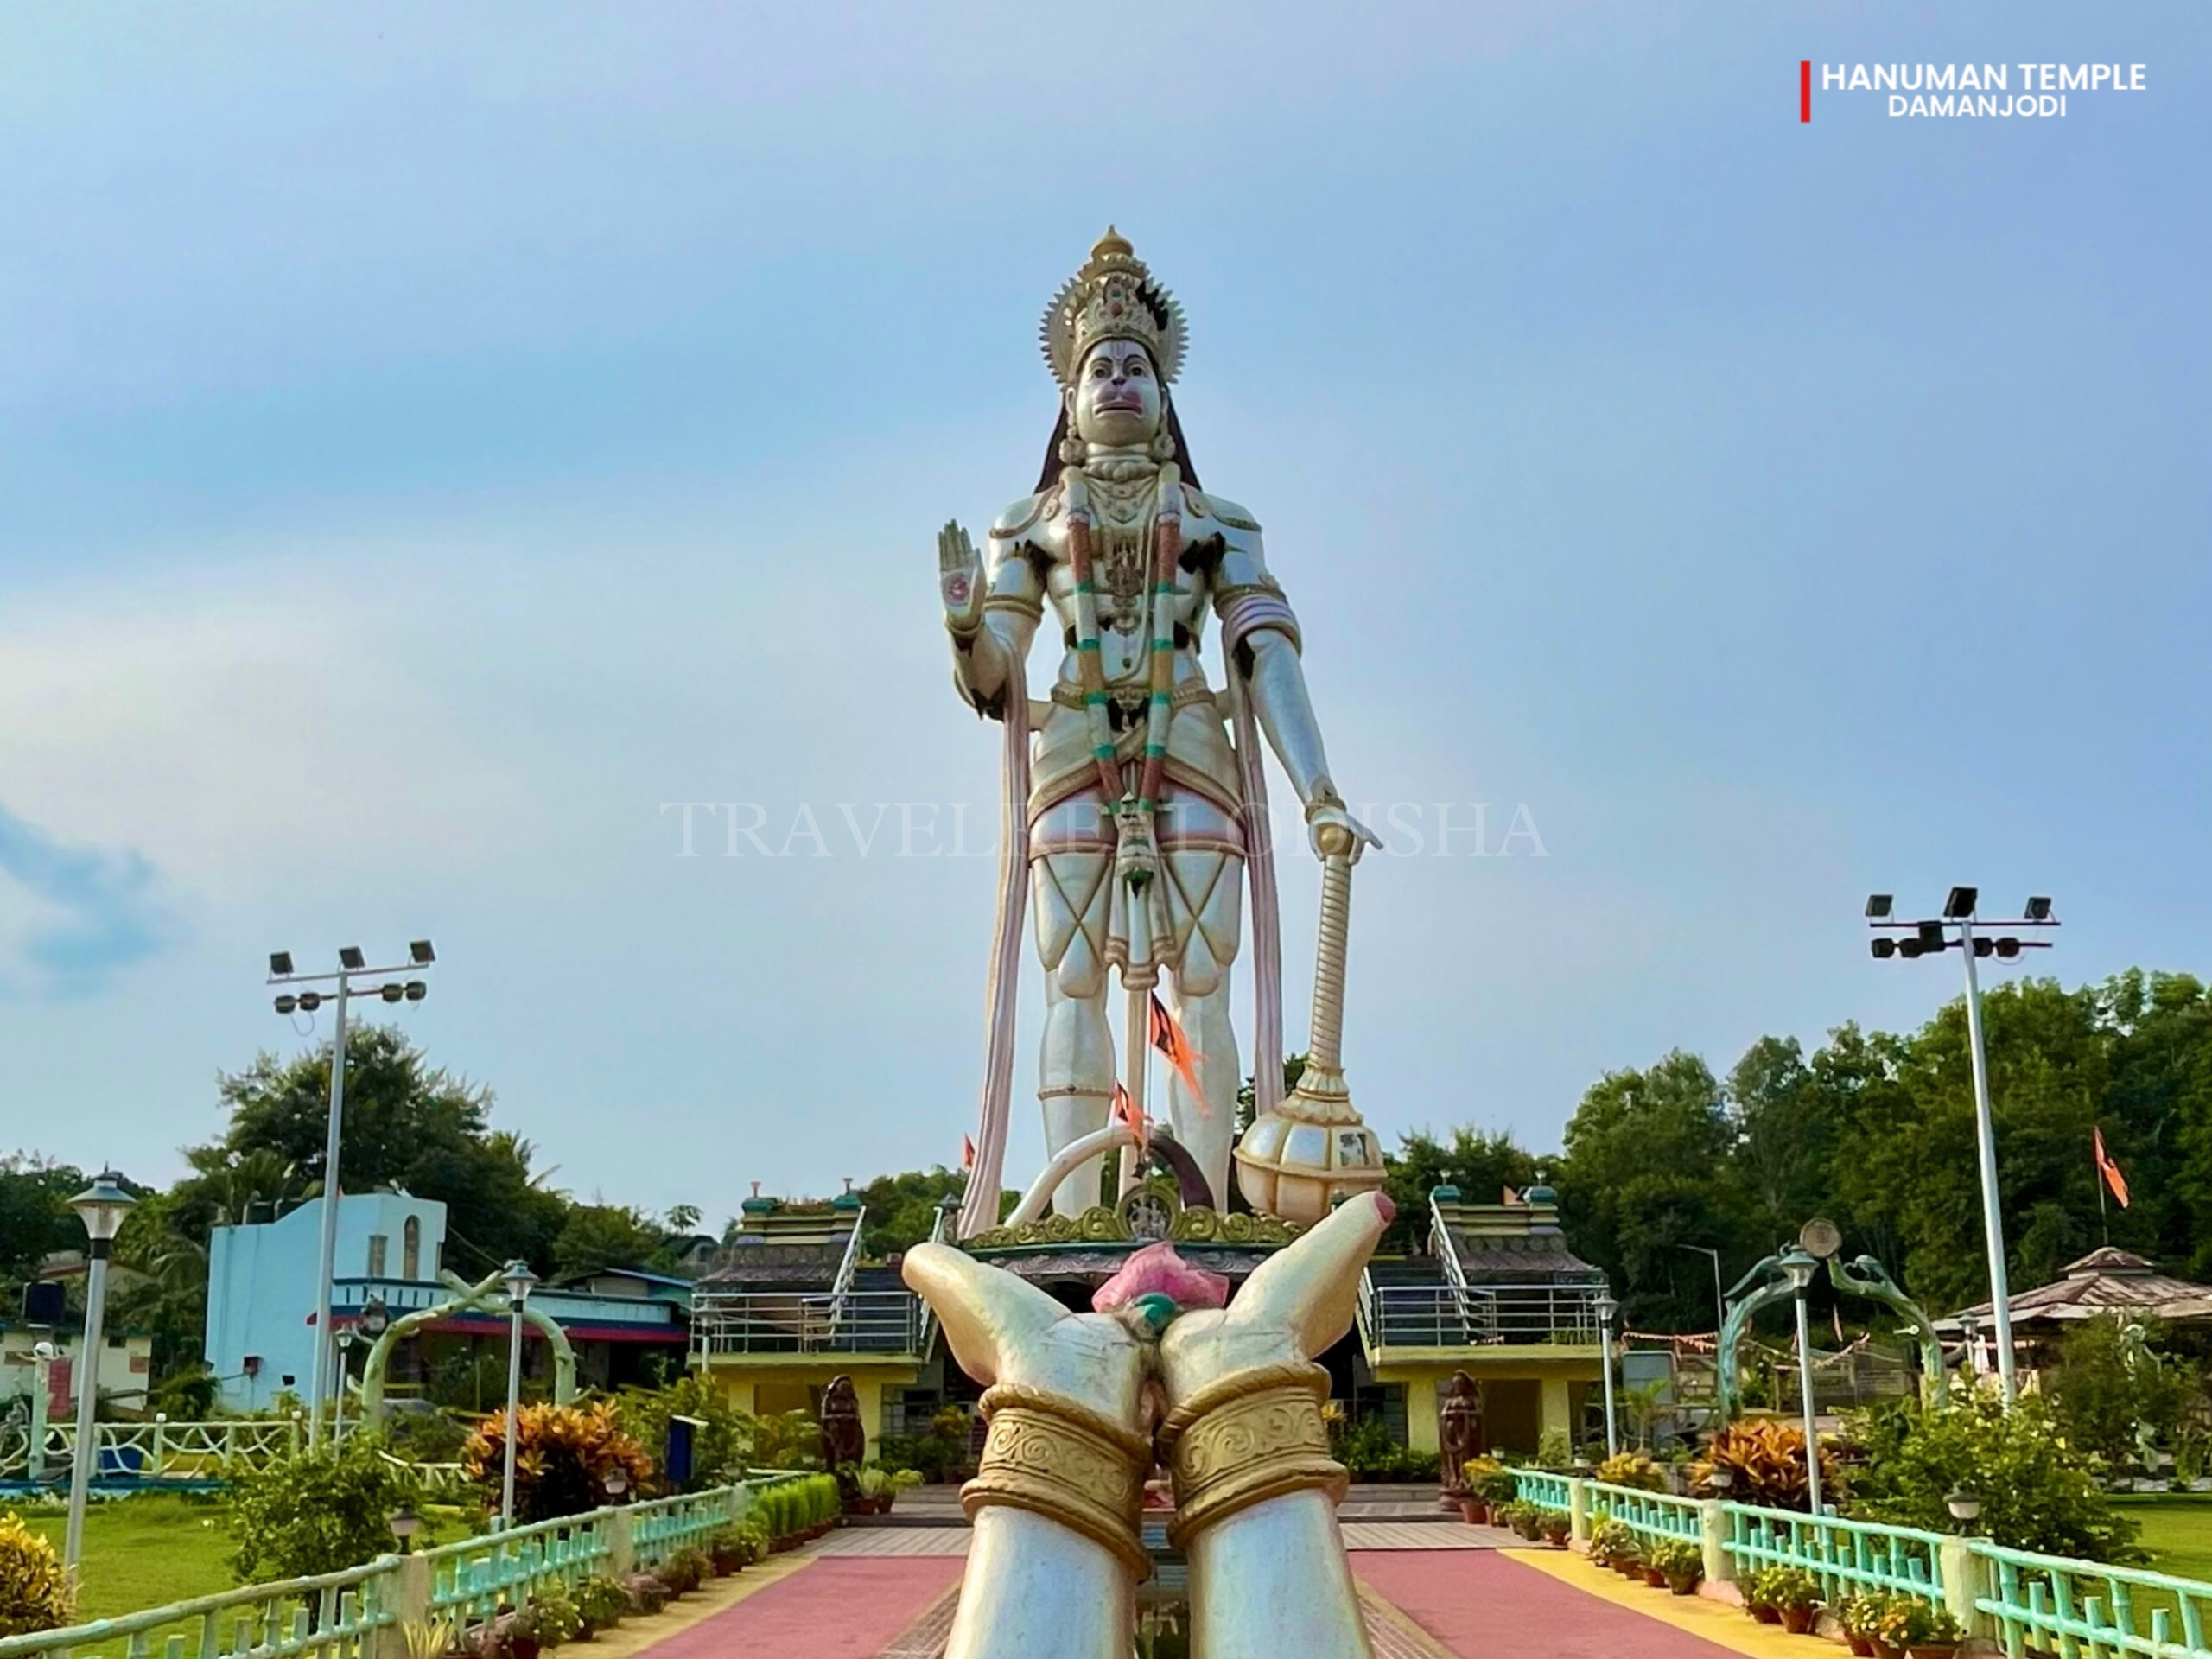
(1757,1602)
(1557,1527)
(1796,1595)
(1681,1563)
(1484,1490)
(1611,1543)
(1856,1616)
(554,1618)
(1909,1625)
(518,1633)
(601,1602)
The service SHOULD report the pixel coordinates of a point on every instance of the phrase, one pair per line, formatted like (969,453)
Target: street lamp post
(101,1207)
(519,1279)
(1608,1310)
(1801,1265)
(1932,938)
(1720,1302)
(350,964)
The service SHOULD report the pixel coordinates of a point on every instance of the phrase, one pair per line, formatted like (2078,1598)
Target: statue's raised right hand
(959,577)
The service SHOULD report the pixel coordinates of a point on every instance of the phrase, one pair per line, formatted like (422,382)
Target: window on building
(377,1242)
(410,1249)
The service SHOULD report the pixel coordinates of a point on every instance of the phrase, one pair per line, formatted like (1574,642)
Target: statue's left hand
(1003,1329)
(1334,832)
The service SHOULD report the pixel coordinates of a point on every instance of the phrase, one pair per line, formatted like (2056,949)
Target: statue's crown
(1113,297)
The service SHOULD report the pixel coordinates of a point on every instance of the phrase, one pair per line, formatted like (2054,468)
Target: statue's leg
(1205,892)
(1075,1081)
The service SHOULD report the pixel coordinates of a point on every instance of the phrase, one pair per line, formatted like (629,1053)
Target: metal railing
(158,1450)
(1657,1516)
(337,1615)
(330,1615)
(806,1322)
(1474,1316)
(1847,1557)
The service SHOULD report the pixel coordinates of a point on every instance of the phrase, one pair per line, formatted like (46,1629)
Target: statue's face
(1117,395)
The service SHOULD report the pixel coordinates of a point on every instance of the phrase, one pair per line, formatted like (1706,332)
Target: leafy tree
(2111,1383)
(2037,1491)
(1645,1173)
(408,1124)
(36,1219)
(902,1209)
(599,1236)
(1480,1165)
(315,1511)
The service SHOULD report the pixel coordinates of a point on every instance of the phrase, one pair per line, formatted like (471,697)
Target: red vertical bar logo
(1805,90)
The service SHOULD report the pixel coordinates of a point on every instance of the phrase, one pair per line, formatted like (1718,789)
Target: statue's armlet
(1246,598)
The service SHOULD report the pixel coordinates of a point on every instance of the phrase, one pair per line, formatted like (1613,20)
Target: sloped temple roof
(2106,1281)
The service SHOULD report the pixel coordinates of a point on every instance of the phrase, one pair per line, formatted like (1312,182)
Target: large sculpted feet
(1255,1488)
(1053,1567)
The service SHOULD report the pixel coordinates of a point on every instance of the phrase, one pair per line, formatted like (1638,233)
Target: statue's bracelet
(1058,1458)
(1245,1439)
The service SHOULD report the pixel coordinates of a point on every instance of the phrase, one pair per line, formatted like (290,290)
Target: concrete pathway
(896,1601)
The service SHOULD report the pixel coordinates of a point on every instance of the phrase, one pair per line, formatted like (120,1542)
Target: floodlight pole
(328,1265)
(1985,1129)
(350,964)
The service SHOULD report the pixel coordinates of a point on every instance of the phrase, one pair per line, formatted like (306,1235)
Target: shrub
(1784,1587)
(553,1618)
(424,1436)
(790,1439)
(318,1511)
(1611,1543)
(1554,1449)
(601,1602)
(648,1594)
(718,1449)
(563,1456)
(2111,1384)
(1858,1615)
(1680,1561)
(1766,1459)
(1909,1622)
(684,1572)
(34,1593)
(1368,1452)
(1490,1480)
(1633,1469)
(2038,1492)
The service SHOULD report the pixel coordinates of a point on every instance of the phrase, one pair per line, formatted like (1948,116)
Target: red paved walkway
(837,1608)
(1478,1602)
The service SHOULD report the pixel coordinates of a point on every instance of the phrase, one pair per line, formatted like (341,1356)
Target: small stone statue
(1462,1435)
(845,1440)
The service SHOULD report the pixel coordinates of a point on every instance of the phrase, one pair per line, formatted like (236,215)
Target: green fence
(339,1615)
(1847,1557)
(2030,1604)
(1658,1517)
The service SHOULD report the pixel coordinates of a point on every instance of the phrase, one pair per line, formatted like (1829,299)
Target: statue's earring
(1163,442)
(1071,445)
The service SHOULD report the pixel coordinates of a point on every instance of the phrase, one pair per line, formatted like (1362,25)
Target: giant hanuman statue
(1135,796)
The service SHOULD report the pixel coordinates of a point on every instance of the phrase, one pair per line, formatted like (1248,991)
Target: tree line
(1874,1130)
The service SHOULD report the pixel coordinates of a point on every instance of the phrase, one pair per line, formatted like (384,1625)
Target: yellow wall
(761,1390)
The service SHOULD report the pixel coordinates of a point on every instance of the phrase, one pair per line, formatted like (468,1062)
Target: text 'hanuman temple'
(1131,1313)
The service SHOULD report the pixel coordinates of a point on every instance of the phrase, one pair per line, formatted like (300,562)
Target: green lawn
(2177,1530)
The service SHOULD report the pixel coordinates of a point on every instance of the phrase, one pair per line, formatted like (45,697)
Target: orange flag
(967,1154)
(1125,1112)
(2106,1168)
(1167,1037)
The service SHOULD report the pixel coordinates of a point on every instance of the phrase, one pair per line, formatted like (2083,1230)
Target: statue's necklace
(1126,536)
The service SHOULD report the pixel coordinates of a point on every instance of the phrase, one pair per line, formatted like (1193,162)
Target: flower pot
(1655,1578)
(1472,1512)
(1684,1585)
(523,1647)
(1882,1650)
(1798,1620)
(1861,1648)
(1767,1615)
(1934,1650)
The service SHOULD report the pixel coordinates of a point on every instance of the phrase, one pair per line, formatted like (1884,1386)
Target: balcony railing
(806,1322)
(1475,1316)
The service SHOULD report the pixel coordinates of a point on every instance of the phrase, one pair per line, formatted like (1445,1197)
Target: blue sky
(433,440)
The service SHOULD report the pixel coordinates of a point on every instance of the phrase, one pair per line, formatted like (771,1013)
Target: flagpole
(2097,1157)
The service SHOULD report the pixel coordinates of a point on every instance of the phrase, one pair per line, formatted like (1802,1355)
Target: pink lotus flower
(1157,1269)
